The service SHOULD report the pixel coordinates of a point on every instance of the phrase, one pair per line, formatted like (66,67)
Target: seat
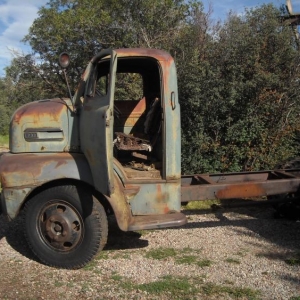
(151,127)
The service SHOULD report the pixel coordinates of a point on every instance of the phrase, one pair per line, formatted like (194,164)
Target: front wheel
(65,226)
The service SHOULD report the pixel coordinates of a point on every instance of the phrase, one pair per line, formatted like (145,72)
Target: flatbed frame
(239,185)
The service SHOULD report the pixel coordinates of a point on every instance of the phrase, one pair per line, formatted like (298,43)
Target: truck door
(96,119)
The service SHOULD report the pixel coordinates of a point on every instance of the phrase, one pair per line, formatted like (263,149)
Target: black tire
(290,164)
(65,226)
(290,207)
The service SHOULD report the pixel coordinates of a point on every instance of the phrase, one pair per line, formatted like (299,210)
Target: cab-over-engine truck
(73,161)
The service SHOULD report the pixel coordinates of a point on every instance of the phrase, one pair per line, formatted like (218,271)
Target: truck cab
(114,147)
(133,98)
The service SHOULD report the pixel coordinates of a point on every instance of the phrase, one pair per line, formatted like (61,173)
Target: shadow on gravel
(14,234)
(260,222)
(120,240)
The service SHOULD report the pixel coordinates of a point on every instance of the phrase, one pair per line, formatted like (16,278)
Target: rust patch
(120,205)
(234,191)
(60,163)
(27,167)
(159,196)
(166,210)
(129,112)
(39,110)
(131,108)
(144,52)
(161,200)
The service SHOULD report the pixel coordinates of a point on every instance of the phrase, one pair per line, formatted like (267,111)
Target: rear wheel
(65,226)
(290,206)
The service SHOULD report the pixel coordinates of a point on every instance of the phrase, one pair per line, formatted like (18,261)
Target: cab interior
(138,116)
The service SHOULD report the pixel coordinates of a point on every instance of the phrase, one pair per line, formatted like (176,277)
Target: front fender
(21,173)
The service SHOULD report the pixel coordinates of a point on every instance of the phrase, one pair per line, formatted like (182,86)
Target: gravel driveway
(232,253)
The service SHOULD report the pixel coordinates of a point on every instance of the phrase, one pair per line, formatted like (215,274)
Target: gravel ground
(232,253)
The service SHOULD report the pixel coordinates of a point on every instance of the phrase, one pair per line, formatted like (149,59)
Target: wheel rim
(60,226)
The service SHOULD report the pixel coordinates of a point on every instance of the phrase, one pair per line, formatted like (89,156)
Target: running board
(157,221)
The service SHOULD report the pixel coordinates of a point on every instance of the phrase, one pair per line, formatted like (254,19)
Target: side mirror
(64,60)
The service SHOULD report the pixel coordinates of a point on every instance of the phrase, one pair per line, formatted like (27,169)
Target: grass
(192,259)
(232,260)
(85,287)
(161,253)
(58,283)
(243,252)
(294,261)
(70,284)
(186,259)
(184,256)
(201,205)
(116,277)
(93,263)
(177,287)
(235,292)
(4,140)
(204,263)
(122,255)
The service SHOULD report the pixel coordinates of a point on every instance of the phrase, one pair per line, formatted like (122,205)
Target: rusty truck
(73,161)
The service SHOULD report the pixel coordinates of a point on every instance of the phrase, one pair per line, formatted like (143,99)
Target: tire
(290,164)
(290,207)
(65,226)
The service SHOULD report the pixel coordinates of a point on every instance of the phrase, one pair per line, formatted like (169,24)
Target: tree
(246,94)
(5,108)
(83,28)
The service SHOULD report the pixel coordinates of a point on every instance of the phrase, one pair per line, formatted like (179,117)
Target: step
(157,221)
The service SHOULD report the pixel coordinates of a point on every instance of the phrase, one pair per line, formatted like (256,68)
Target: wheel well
(75,182)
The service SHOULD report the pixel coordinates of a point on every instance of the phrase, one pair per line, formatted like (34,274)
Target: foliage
(201,205)
(238,80)
(82,28)
(6,108)
(239,96)
(4,140)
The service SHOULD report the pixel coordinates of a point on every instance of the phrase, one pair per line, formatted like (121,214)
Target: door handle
(173,103)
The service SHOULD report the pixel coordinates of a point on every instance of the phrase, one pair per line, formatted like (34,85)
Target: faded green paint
(22,173)
(44,126)
(13,199)
(96,126)
(156,198)
(172,130)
